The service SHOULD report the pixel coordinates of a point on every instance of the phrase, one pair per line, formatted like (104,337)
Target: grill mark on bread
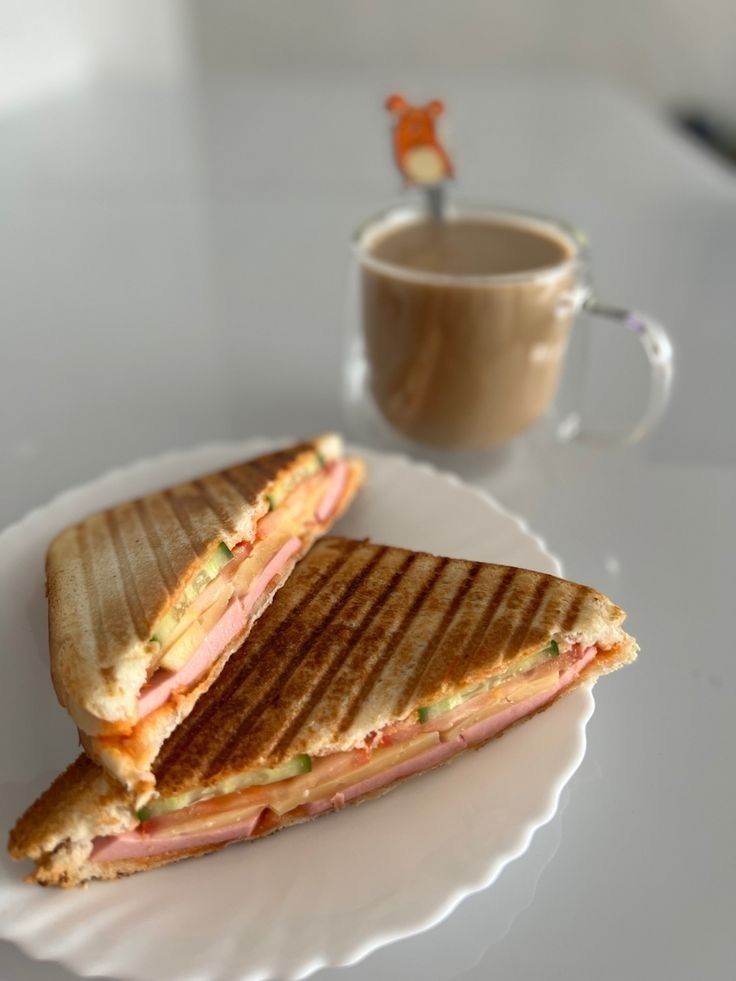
(250,479)
(435,643)
(477,642)
(154,543)
(93,596)
(302,592)
(367,647)
(284,660)
(244,481)
(384,657)
(179,511)
(271,465)
(574,609)
(307,597)
(506,616)
(241,665)
(224,516)
(331,669)
(516,638)
(267,472)
(135,607)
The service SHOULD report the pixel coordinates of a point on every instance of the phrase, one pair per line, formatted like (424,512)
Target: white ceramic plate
(326,893)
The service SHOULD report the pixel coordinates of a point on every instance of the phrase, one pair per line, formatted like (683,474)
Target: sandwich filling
(216,606)
(259,801)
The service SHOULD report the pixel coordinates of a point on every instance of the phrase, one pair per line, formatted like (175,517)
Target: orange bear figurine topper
(418,152)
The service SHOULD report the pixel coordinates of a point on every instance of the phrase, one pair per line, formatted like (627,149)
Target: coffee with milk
(465,325)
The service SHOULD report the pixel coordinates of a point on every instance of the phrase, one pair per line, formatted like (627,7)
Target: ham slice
(271,569)
(136,844)
(423,761)
(339,471)
(164,683)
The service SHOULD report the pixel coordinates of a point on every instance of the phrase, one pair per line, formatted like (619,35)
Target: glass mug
(459,330)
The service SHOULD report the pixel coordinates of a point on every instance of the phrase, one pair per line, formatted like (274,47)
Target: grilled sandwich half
(372,664)
(148,599)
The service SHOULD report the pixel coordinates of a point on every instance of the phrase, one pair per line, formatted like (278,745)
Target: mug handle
(658,349)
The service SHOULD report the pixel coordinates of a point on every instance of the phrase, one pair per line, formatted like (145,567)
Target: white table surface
(173,271)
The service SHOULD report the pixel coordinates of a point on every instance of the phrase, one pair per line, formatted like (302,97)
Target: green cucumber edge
(428,712)
(300,764)
(201,578)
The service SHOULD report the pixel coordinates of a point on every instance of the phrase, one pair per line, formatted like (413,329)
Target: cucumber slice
(220,557)
(229,785)
(292,768)
(446,704)
(428,712)
(527,664)
(167,625)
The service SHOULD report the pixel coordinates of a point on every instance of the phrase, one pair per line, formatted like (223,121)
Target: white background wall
(49,45)
(670,51)
(667,49)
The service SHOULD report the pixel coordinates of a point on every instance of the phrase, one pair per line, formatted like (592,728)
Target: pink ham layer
(133,844)
(163,684)
(230,624)
(487,728)
(338,471)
